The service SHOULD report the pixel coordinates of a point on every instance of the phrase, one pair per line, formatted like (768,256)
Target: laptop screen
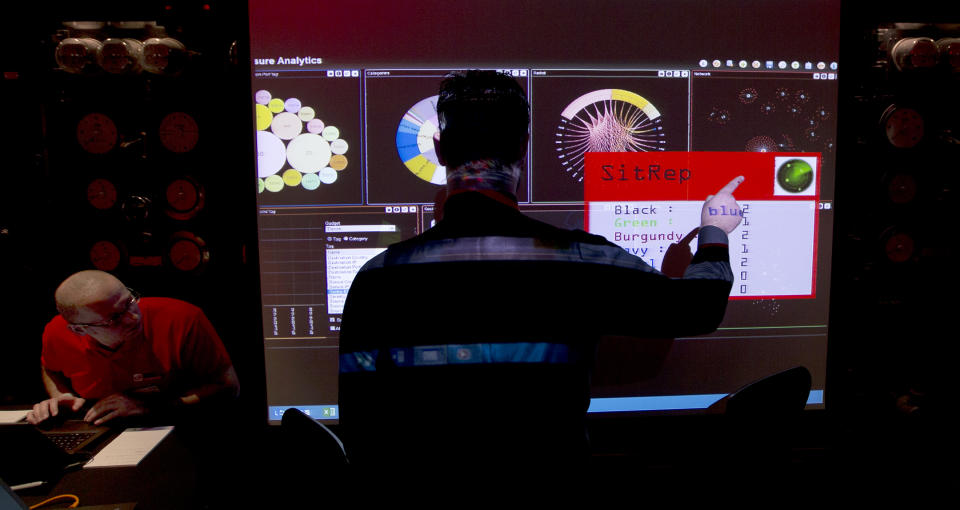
(9,499)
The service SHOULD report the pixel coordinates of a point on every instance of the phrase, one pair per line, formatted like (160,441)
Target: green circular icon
(292,177)
(275,105)
(310,181)
(306,114)
(273,183)
(795,175)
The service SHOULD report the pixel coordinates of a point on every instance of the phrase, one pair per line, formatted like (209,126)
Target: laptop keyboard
(69,440)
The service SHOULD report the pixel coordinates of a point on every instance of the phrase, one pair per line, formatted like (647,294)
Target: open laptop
(74,436)
(31,454)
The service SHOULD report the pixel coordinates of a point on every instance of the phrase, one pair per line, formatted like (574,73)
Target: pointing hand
(722,210)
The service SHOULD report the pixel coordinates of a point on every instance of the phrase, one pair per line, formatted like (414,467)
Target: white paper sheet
(129,448)
(13,416)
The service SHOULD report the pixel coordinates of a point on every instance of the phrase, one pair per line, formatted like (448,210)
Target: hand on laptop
(115,406)
(51,407)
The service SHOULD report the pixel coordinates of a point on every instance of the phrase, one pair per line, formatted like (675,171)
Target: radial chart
(294,147)
(608,120)
(415,141)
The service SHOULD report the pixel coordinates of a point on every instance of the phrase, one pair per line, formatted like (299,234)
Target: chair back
(782,394)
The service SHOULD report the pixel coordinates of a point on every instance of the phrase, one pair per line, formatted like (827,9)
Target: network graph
(767,116)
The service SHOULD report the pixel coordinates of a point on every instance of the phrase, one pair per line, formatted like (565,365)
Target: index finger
(732,185)
(689,237)
(95,411)
(107,417)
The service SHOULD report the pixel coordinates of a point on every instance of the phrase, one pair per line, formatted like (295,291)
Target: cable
(76,501)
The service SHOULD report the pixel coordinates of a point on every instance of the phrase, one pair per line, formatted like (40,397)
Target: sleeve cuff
(710,234)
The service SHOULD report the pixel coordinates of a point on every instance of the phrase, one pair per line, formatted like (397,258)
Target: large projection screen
(343,96)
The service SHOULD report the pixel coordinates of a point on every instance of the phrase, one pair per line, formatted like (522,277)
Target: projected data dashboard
(630,131)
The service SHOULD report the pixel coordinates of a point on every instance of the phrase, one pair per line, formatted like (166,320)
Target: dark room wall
(54,209)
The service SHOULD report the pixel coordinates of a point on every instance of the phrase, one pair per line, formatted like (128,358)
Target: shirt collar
(490,177)
(508,200)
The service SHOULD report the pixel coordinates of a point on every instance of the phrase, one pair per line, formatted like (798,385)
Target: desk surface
(213,467)
(166,478)
(197,465)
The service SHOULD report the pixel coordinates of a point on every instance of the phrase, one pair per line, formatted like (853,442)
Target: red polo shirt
(179,350)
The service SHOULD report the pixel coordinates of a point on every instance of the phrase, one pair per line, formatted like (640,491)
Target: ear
(79,330)
(438,148)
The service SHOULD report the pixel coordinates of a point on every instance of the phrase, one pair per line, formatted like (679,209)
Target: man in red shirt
(132,355)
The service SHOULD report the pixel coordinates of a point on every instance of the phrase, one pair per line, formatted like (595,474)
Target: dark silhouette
(472,344)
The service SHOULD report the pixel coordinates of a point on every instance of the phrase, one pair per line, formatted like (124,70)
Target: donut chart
(415,142)
(607,120)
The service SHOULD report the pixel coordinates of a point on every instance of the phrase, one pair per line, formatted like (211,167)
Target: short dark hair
(483,115)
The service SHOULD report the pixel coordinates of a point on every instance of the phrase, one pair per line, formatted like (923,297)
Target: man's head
(483,115)
(97,304)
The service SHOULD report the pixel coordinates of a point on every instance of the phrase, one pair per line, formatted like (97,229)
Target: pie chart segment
(415,142)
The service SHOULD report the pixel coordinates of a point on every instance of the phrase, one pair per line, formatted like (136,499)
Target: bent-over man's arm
(205,363)
(224,388)
(61,396)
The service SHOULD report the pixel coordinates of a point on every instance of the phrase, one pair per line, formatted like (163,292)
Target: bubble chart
(295,148)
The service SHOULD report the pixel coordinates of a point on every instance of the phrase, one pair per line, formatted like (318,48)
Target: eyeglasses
(117,317)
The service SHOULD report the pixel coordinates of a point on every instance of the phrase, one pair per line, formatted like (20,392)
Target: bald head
(83,289)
